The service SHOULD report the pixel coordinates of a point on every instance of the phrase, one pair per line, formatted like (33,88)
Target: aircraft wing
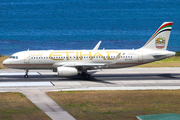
(84,64)
(81,65)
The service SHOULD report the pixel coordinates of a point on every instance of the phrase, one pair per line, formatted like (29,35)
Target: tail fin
(160,38)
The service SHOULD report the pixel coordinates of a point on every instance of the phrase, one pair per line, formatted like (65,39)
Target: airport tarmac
(47,80)
(41,81)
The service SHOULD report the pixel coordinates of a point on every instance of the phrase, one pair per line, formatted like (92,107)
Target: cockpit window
(14,57)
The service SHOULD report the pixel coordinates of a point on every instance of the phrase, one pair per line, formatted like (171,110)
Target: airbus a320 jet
(74,62)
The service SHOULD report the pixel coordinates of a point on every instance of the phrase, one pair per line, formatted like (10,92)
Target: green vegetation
(168,62)
(2,58)
(178,53)
(15,106)
(117,105)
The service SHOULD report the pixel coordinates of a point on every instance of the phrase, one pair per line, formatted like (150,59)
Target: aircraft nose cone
(5,62)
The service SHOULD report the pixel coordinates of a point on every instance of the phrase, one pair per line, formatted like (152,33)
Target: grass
(168,62)
(15,106)
(117,105)
(2,58)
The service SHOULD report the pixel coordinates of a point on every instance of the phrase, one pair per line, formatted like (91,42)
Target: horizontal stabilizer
(158,55)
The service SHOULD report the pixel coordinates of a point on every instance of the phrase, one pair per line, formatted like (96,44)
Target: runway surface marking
(122,88)
(19,73)
(24,84)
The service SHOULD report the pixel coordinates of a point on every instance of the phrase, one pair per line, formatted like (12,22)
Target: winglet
(97,46)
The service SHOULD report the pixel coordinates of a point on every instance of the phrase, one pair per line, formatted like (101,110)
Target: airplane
(73,62)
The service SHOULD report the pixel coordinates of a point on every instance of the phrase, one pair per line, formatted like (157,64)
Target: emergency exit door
(26,57)
(140,57)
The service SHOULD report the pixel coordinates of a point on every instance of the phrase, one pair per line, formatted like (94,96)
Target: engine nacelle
(67,71)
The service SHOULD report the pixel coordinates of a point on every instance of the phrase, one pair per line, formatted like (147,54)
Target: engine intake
(67,71)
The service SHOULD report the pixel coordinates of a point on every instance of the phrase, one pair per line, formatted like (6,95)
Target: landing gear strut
(26,75)
(86,76)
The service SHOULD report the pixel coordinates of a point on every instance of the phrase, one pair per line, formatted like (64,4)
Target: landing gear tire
(25,76)
(86,76)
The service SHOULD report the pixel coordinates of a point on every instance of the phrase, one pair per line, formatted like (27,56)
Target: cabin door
(26,57)
(140,57)
(72,58)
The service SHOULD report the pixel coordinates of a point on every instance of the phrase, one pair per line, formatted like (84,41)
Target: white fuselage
(51,59)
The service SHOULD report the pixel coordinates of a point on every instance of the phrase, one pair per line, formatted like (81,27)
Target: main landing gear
(26,75)
(85,75)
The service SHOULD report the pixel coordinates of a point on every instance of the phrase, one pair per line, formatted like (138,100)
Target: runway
(127,77)
(41,81)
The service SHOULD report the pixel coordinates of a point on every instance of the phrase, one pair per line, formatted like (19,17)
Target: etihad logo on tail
(160,43)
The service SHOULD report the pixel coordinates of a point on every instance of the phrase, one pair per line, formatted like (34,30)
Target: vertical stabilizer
(160,38)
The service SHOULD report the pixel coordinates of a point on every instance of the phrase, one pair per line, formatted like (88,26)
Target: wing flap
(83,64)
(92,65)
(77,64)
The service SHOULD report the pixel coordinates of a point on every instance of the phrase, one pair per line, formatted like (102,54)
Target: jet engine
(67,71)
